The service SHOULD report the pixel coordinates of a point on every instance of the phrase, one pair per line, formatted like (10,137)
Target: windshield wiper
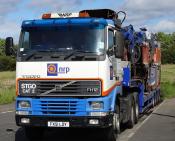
(34,53)
(55,56)
(75,52)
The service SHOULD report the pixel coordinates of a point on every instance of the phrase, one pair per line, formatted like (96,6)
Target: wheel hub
(116,122)
(137,110)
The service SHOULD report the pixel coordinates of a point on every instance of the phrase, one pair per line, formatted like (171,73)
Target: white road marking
(7,112)
(129,133)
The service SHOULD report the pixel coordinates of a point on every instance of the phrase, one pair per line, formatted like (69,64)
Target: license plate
(58,124)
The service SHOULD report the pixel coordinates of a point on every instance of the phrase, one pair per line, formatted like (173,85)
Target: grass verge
(7,75)
(7,95)
(168,81)
(7,87)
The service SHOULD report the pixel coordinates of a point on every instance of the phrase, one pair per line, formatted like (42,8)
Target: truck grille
(62,107)
(63,87)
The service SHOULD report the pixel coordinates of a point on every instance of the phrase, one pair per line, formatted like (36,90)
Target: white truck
(84,70)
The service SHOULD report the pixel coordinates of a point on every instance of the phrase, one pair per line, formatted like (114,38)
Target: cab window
(110,39)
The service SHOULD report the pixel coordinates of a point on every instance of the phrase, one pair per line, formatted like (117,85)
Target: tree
(2,44)
(168,47)
(6,62)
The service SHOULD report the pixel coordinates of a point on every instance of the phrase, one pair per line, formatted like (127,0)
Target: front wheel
(136,111)
(34,133)
(112,132)
(131,121)
(116,120)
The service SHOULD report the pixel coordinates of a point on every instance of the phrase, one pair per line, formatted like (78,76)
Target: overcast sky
(156,15)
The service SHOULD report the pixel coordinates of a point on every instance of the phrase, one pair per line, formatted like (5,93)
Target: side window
(25,44)
(110,39)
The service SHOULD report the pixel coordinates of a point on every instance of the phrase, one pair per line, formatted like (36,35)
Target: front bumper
(77,122)
(76,111)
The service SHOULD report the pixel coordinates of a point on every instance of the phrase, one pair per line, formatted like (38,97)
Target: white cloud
(164,26)
(6,7)
(10,29)
(52,5)
(143,10)
(140,12)
(149,5)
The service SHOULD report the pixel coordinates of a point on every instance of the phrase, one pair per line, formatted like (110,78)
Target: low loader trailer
(84,70)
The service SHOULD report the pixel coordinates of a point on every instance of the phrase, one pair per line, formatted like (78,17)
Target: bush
(7,63)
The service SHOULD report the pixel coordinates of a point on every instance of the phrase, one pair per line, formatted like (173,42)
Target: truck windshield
(46,41)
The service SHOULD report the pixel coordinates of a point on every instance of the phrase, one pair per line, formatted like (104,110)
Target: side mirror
(110,52)
(8,46)
(117,52)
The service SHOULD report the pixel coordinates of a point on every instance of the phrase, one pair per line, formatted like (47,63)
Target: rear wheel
(153,101)
(156,98)
(34,133)
(159,99)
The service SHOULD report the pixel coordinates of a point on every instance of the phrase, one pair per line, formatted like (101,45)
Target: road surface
(160,126)
(156,126)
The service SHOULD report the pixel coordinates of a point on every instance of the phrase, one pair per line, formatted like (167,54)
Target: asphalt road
(160,126)
(156,126)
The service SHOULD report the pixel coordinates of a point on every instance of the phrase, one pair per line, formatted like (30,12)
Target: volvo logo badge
(58,88)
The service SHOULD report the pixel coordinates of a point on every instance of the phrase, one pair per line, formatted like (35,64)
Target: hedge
(7,63)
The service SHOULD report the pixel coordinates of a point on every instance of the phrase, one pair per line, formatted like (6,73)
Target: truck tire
(156,99)
(136,111)
(34,133)
(131,121)
(116,120)
(158,95)
(153,102)
(111,133)
(159,98)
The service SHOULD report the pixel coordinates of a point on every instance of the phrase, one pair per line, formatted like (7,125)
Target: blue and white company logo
(54,70)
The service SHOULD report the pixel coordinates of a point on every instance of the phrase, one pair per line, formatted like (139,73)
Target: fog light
(96,105)
(25,120)
(22,112)
(94,121)
(97,114)
(24,104)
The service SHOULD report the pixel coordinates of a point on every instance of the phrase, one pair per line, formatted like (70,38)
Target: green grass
(8,75)
(168,90)
(7,87)
(7,95)
(168,81)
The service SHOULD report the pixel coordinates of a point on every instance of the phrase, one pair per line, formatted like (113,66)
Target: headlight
(96,105)
(24,104)
(27,88)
